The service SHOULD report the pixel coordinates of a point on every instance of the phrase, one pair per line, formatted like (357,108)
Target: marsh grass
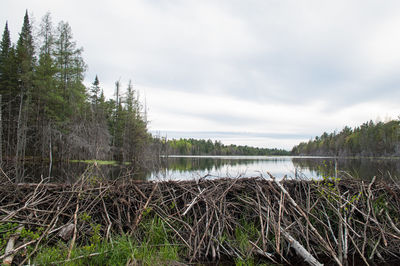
(99,162)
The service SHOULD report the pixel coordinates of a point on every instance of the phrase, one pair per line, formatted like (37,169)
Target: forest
(208,147)
(369,139)
(48,113)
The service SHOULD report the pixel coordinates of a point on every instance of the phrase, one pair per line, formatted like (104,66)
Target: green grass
(155,248)
(122,250)
(99,162)
(152,243)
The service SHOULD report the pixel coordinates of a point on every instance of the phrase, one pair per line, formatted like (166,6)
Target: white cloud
(275,66)
(198,112)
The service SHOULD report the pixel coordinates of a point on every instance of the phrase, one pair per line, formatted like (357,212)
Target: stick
(12,252)
(313,229)
(193,202)
(278,238)
(71,246)
(75,221)
(137,220)
(78,258)
(300,250)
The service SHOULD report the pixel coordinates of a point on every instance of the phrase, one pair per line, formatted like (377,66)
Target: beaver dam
(255,220)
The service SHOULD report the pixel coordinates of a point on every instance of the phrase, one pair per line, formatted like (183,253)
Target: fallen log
(9,251)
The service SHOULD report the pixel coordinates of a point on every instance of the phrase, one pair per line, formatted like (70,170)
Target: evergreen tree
(94,92)
(71,69)
(26,55)
(47,90)
(100,137)
(129,125)
(47,111)
(10,99)
(46,98)
(369,139)
(5,47)
(25,66)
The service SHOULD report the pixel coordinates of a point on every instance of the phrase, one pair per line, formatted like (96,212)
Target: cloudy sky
(267,73)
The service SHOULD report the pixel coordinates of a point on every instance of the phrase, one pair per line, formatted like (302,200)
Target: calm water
(189,167)
(192,167)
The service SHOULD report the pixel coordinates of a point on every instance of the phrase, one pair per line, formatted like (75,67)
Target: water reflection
(70,172)
(363,168)
(189,167)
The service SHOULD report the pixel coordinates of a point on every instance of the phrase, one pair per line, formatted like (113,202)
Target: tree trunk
(21,139)
(1,131)
(18,146)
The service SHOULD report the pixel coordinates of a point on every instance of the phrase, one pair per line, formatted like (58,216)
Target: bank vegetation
(380,139)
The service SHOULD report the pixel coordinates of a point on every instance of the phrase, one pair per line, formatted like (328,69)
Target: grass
(155,248)
(122,250)
(99,162)
(152,244)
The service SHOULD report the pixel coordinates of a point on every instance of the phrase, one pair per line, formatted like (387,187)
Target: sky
(266,73)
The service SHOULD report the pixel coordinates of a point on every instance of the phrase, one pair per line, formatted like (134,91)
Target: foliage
(47,112)
(208,147)
(156,248)
(369,139)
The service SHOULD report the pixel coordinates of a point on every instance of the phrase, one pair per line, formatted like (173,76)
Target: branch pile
(328,221)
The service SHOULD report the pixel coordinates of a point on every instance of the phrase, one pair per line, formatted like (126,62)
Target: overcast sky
(267,73)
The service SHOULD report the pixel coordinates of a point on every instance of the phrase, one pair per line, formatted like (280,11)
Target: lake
(189,167)
(192,167)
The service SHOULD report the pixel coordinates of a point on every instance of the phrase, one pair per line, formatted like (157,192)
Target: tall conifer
(71,69)
(25,63)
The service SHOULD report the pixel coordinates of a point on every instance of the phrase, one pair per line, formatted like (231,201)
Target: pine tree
(10,99)
(5,46)
(26,54)
(97,124)
(94,92)
(47,90)
(25,64)
(45,107)
(134,133)
(45,96)
(71,69)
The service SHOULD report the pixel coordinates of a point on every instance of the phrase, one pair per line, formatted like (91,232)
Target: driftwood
(328,221)
(10,247)
(307,256)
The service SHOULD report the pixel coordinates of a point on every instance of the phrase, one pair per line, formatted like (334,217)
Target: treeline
(46,110)
(208,147)
(369,139)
